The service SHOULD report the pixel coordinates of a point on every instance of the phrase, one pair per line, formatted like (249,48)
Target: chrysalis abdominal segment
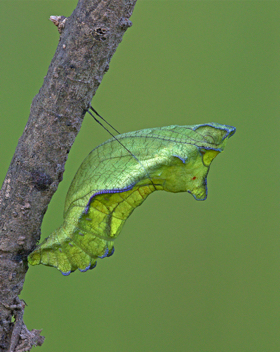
(109,185)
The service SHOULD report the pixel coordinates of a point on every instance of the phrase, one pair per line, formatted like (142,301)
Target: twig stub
(59,22)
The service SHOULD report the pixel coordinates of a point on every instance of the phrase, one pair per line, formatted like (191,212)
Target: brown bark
(89,38)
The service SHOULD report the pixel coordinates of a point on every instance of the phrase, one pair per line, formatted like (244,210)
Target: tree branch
(89,38)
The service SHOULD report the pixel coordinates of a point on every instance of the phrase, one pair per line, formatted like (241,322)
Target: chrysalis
(112,181)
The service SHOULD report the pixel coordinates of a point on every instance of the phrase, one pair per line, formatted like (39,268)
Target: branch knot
(125,23)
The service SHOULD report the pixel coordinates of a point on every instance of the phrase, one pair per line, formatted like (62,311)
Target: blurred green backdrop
(182,62)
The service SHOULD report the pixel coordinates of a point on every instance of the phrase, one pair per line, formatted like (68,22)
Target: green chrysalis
(111,183)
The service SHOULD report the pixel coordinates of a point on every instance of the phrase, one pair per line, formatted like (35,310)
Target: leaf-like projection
(111,183)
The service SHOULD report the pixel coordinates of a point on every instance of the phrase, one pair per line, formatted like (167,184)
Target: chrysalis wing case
(111,183)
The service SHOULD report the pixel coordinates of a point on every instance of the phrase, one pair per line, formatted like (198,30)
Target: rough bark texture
(89,38)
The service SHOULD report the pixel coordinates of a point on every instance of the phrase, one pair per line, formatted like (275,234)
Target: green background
(186,275)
